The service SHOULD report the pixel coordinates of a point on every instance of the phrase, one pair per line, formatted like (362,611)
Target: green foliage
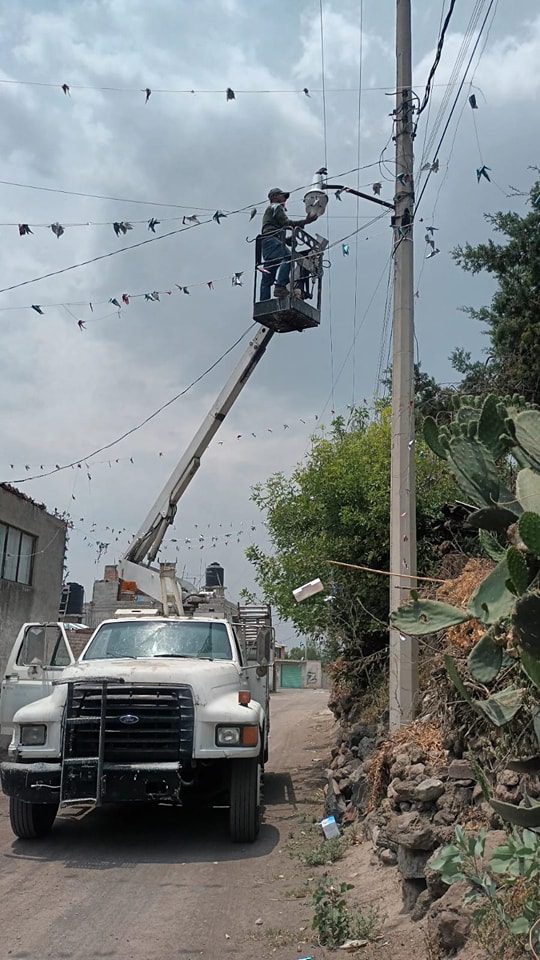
(505,891)
(485,658)
(477,445)
(529,531)
(335,506)
(332,918)
(336,920)
(512,318)
(328,851)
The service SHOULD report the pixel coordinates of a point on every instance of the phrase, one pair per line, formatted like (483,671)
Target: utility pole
(403,650)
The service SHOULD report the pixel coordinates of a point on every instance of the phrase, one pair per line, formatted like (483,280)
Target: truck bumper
(122,783)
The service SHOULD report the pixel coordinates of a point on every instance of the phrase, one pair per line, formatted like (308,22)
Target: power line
(438,53)
(358,155)
(325,135)
(460,88)
(127,433)
(192,92)
(99,196)
(153,239)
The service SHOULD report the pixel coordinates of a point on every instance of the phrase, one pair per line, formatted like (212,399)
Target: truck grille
(159,728)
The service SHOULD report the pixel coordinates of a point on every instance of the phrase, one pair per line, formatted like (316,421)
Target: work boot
(280,291)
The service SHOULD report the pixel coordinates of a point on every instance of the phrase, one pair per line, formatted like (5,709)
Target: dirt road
(119,885)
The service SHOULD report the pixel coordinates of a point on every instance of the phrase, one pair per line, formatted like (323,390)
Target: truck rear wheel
(31,820)
(245,800)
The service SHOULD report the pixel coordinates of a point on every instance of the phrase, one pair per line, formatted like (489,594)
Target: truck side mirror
(264,643)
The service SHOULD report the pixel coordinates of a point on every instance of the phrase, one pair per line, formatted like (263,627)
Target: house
(32,551)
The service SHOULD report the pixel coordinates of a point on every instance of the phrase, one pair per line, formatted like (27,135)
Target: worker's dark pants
(276,263)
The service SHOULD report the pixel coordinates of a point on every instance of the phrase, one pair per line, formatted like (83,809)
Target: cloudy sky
(66,391)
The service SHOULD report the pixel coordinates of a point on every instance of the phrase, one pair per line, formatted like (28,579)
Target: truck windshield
(194,639)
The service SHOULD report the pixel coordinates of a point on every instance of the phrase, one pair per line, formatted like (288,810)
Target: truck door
(39,655)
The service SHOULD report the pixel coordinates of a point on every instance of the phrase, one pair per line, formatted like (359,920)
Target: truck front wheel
(31,820)
(245,800)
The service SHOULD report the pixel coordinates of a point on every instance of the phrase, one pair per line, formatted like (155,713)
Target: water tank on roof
(72,599)
(215,576)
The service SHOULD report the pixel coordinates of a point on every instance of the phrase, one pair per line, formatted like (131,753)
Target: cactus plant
(518,570)
(475,470)
(527,435)
(485,659)
(492,599)
(529,531)
(526,817)
(502,707)
(420,617)
(496,518)
(528,490)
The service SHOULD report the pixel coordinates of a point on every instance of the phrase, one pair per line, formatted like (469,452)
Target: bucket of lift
(301,307)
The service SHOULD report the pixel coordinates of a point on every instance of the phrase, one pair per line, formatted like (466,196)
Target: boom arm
(145,546)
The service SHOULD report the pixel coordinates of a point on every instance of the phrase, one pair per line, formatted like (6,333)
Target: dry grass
(424,735)
(458,592)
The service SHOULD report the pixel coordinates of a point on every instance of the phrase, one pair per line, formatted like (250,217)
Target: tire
(245,801)
(31,820)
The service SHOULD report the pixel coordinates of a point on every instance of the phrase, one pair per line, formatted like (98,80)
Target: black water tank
(215,576)
(75,598)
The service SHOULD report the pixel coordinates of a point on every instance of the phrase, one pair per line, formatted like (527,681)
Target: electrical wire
(440,45)
(151,416)
(325,135)
(172,400)
(153,239)
(460,88)
(99,196)
(192,92)
(358,156)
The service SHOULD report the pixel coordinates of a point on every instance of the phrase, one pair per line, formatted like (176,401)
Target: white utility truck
(164,706)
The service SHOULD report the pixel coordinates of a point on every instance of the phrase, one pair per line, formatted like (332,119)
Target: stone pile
(425,793)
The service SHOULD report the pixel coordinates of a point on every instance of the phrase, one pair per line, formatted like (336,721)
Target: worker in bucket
(276,255)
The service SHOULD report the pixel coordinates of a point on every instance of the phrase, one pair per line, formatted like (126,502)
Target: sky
(66,391)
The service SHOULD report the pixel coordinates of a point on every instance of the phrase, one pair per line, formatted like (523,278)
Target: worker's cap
(277,192)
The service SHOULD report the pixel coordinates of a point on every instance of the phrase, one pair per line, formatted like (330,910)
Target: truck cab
(155,710)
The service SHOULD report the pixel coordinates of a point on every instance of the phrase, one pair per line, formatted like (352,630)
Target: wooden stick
(385,573)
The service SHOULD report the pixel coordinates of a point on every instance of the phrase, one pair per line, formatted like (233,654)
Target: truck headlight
(244,735)
(33,734)
(228,736)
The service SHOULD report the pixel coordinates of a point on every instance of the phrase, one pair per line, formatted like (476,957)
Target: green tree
(513,316)
(335,506)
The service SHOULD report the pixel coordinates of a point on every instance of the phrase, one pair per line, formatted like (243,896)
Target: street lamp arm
(358,193)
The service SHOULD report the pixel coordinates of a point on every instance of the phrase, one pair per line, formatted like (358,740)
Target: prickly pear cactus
(507,601)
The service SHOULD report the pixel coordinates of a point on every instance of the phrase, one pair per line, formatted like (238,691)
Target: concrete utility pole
(403,651)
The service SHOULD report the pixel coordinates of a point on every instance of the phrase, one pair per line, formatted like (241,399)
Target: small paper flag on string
(152,224)
(236,281)
(57,229)
(322,172)
(218,216)
(193,219)
(345,249)
(91,307)
(155,294)
(65,88)
(377,187)
(81,324)
(24,229)
(253,213)
(483,172)
(338,195)
(121,226)
(306,91)
(432,167)
(229,93)
(210,285)
(37,308)
(186,291)
(125,298)
(433,253)
(431,229)
(148,94)
(115,302)
(472,101)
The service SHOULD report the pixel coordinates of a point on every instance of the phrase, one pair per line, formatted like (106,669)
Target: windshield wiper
(182,656)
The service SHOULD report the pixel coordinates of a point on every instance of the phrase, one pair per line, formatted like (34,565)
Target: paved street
(129,886)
